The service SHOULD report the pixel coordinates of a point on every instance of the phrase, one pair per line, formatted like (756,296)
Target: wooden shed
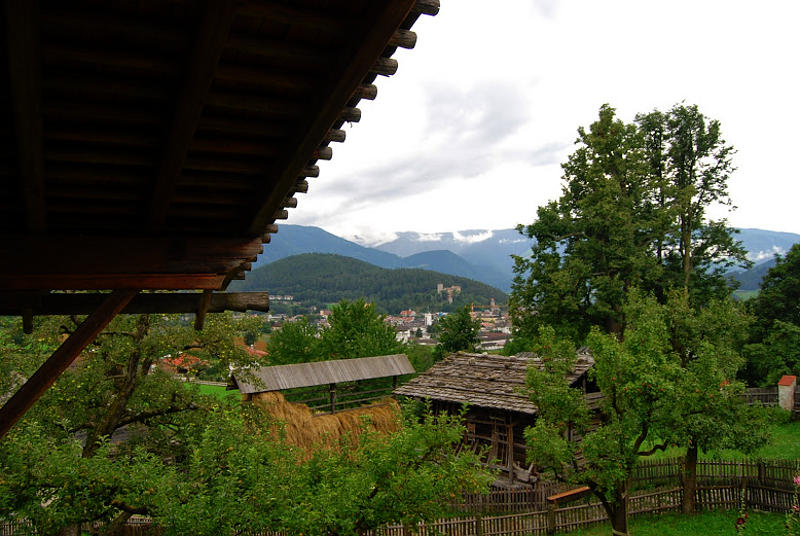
(153,145)
(327,385)
(499,410)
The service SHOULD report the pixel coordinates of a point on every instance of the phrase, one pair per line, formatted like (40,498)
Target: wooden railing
(761,485)
(766,396)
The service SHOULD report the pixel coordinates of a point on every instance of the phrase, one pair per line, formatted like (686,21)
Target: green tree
(774,346)
(707,411)
(355,329)
(116,387)
(689,167)
(632,214)
(636,376)
(457,332)
(294,342)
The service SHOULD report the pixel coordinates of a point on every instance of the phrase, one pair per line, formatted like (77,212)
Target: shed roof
(280,377)
(489,381)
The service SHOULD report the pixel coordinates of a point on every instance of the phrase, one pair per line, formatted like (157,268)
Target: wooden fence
(766,396)
(648,475)
(762,485)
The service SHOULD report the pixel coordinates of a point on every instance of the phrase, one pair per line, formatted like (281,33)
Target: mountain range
(319,279)
(482,255)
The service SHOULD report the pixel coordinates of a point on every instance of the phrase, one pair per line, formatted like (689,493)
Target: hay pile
(305,430)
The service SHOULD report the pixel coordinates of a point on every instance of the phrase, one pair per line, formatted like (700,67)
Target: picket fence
(722,485)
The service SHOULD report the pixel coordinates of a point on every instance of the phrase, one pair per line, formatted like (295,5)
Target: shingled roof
(280,377)
(489,381)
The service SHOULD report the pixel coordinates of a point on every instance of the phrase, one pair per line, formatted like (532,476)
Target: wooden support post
(510,448)
(551,518)
(394,383)
(333,397)
(62,358)
(27,320)
(202,309)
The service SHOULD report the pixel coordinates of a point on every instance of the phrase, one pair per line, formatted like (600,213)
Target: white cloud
(471,130)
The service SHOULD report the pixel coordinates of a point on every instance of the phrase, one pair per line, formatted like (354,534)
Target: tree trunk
(617,511)
(690,479)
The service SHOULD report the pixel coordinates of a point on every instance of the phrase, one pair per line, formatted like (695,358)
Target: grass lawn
(215,390)
(784,445)
(707,524)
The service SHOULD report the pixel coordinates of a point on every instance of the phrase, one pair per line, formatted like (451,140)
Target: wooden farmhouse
(498,409)
(152,146)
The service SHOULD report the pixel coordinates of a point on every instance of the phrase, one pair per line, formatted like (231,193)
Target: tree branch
(128,509)
(662,447)
(142,417)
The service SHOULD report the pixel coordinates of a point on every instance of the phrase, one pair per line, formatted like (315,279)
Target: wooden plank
(93,281)
(385,19)
(49,372)
(210,39)
(24,72)
(38,304)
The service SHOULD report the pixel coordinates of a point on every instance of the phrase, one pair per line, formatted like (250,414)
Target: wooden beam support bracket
(202,309)
(62,358)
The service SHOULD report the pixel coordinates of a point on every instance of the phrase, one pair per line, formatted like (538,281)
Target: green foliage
(421,357)
(636,375)
(206,465)
(774,348)
(316,279)
(457,332)
(357,330)
(632,214)
(294,342)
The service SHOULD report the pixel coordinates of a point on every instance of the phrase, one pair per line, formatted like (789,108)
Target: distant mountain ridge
(321,278)
(483,255)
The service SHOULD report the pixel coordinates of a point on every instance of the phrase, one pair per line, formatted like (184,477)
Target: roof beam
(38,304)
(62,358)
(55,254)
(212,34)
(24,72)
(386,18)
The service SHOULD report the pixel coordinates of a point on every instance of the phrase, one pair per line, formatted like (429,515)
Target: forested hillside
(320,279)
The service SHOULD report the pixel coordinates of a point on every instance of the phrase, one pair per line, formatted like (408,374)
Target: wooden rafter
(212,34)
(24,72)
(40,304)
(62,358)
(387,17)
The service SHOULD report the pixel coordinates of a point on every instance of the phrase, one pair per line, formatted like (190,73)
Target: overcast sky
(471,131)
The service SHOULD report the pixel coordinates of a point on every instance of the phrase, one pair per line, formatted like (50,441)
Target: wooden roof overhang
(281,377)
(153,145)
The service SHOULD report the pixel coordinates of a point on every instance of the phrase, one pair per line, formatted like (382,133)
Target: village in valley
(582,334)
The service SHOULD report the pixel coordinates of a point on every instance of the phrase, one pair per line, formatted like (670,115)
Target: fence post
(551,518)
(478,524)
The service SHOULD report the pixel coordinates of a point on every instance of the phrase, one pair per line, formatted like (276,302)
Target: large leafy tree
(774,348)
(707,411)
(637,377)
(116,391)
(457,331)
(355,329)
(294,342)
(633,213)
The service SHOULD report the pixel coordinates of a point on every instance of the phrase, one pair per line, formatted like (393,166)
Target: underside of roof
(280,377)
(153,145)
(488,381)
